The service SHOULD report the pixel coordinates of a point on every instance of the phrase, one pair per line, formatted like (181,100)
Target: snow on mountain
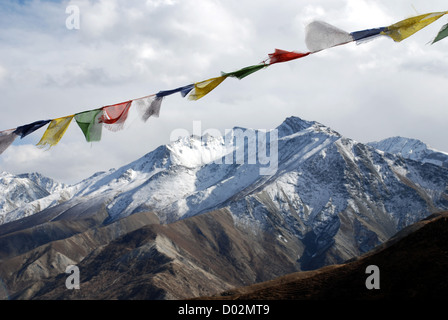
(412,149)
(196,176)
(322,188)
(27,194)
(302,196)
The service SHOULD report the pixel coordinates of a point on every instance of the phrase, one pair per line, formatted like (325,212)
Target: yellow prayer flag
(204,87)
(406,28)
(55,131)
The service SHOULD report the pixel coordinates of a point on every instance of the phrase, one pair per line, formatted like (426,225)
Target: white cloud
(98,17)
(367,14)
(125,50)
(3,73)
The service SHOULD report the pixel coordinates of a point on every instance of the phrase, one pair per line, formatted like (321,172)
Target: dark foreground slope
(413,264)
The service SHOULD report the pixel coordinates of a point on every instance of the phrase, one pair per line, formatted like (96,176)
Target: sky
(124,50)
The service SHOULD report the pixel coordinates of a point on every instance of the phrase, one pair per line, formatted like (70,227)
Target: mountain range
(423,245)
(184,221)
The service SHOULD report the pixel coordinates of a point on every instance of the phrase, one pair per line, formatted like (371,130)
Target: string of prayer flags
(244,72)
(114,116)
(321,35)
(406,28)
(27,129)
(56,129)
(7,137)
(318,36)
(443,33)
(89,123)
(204,87)
(284,56)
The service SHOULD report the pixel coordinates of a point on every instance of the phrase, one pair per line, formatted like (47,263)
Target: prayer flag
(183,90)
(27,129)
(244,72)
(148,106)
(204,87)
(365,35)
(89,123)
(114,116)
(406,28)
(443,33)
(283,56)
(321,35)
(55,131)
(7,137)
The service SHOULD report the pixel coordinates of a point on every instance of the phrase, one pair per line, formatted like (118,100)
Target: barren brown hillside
(413,264)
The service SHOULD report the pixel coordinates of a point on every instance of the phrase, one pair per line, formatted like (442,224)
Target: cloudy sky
(128,49)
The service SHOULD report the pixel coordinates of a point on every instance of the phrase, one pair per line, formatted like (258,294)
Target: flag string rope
(319,36)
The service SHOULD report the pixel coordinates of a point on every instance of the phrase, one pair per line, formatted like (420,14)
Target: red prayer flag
(283,56)
(115,115)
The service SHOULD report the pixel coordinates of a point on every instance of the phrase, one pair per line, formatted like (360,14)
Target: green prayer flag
(443,33)
(88,122)
(240,74)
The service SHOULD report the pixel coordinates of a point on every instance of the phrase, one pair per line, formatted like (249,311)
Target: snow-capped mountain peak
(413,149)
(293,125)
(194,151)
(318,175)
(327,199)
(26,194)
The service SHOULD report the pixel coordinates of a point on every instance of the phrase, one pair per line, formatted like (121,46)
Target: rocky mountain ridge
(330,199)
(28,193)
(422,245)
(412,149)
